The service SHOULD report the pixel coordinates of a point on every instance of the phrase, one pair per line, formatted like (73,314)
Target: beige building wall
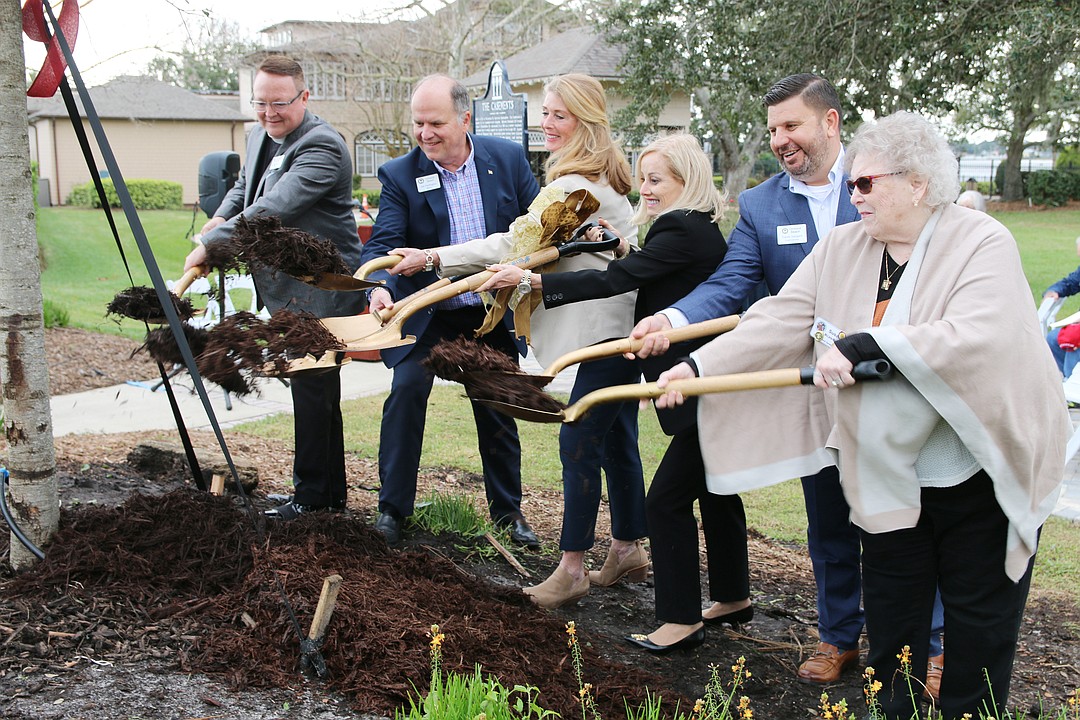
(145,150)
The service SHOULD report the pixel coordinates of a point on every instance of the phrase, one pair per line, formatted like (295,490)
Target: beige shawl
(961,331)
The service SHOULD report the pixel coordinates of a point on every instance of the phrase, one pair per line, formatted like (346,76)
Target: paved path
(134,407)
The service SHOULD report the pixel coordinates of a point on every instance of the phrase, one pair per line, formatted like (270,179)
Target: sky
(118,37)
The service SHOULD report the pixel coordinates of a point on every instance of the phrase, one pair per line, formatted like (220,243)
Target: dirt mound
(190,576)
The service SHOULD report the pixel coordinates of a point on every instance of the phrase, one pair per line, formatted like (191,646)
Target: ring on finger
(837,383)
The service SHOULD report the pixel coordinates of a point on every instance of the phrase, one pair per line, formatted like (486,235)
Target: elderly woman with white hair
(950,467)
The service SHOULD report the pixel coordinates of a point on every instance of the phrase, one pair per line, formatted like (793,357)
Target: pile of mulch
(186,577)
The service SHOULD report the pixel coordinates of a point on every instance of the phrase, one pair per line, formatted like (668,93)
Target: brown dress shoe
(826,664)
(559,589)
(932,690)
(634,567)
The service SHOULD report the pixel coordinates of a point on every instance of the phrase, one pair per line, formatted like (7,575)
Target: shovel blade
(338,282)
(351,328)
(389,337)
(519,412)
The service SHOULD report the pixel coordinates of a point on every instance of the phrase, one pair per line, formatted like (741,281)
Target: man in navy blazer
(452,188)
(780,221)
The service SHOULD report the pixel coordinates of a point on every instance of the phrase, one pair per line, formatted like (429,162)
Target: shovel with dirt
(365,332)
(543,411)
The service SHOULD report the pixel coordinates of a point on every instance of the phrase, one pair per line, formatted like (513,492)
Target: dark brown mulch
(489,375)
(142,303)
(177,572)
(262,243)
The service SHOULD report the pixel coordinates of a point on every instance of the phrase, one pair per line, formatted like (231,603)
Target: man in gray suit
(298,169)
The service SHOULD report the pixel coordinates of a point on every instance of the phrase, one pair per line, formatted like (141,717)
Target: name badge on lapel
(275,162)
(791,235)
(825,332)
(428,182)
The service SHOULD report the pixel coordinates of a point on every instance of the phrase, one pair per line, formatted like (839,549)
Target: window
(370,154)
(327,82)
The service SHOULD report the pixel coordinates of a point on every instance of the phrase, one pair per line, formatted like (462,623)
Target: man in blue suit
(780,221)
(452,188)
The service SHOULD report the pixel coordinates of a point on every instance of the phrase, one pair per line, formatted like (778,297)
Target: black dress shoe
(389,527)
(744,615)
(689,642)
(521,533)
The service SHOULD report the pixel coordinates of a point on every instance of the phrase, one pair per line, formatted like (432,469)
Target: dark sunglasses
(866,182)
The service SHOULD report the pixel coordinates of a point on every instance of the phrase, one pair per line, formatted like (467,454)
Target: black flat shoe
(732,618)
(689,642)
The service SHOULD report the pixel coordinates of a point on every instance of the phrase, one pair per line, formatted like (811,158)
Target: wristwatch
(429,261)
(524,286)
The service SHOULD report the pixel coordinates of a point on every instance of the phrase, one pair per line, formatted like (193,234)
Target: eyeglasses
(866,182)
(262,106)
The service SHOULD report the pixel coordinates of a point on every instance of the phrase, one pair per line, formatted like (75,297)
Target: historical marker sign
(501,112)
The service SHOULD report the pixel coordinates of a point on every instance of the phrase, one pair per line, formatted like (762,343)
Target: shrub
(1053,187)
(634,197)
(145,194)
(55,315)
(372,195)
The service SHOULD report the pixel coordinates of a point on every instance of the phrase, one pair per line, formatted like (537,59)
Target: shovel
(762,379)
(364,332)
(338,282)
(610,348)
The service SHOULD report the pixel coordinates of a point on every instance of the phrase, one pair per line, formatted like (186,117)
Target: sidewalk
(133,407)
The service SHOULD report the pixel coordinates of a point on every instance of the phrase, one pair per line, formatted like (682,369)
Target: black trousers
(673,535)
(958,545)
(405,415)
(319,460)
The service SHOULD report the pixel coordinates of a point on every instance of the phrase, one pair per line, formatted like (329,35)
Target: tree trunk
(24,377)
(1014,153)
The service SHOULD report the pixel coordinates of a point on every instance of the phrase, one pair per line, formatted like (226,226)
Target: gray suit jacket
(309,187)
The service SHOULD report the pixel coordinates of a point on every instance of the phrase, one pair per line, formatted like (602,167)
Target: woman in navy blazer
(682,248)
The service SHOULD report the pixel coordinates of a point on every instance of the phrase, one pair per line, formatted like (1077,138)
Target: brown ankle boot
(559,589)
(635,567)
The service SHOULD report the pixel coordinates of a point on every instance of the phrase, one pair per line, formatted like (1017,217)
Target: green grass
(83,270)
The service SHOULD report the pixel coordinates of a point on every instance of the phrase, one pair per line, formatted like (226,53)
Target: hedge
(372,196)
(146,194)
(1053,187)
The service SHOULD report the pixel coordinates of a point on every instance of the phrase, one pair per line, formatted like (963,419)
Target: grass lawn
(82,267)
(73,240)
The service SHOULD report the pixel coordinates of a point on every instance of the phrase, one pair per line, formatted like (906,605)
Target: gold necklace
(887,276)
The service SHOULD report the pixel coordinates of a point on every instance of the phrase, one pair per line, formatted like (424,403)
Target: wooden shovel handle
(432,294)
(185,281)
(759,380)
(380,263)
(630,345)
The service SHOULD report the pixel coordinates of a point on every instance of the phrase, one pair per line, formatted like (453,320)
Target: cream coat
(967,348)
(557,331)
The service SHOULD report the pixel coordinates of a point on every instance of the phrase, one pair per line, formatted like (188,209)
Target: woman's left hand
(682,371)
(505,276)
(833,370)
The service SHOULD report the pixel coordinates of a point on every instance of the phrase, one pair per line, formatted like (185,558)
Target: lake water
(983,168)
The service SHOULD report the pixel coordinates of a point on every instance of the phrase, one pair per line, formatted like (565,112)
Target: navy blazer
(753,251)
(410,218)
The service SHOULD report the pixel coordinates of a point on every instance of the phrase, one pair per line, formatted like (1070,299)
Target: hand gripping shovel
(610,348)
(364,332)
(762,379)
